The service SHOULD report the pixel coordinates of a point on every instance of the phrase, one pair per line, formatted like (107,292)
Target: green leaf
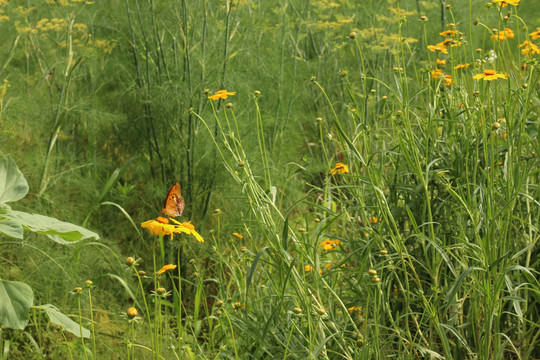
(59,231)
(285,234)
(252,268)
(16,298)
(13,185)
(57,318)
(11,228)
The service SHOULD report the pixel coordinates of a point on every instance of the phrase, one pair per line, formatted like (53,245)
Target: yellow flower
(507,33)
(447,80)
(438,48)
(340,169)
(330,244)
(535,35)
(489,75)
(161,226)
(441,62)
(448,33)
(529,48)
(239,236)
(308,268)
(221,94)
(166,268)
(449,42)
(462,66)
(355,309)
(504,3)
(435,74)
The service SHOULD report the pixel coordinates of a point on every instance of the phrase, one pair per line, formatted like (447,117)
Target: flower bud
(132,312)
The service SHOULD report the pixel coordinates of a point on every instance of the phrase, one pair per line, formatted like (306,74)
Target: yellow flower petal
(166,268)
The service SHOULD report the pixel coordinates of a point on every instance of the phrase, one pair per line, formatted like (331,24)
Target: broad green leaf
(13,185)
(57,318)
(59,231)
(16,298)
(4,208)
(11,228)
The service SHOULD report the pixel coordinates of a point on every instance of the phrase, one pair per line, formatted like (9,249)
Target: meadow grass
(367,188)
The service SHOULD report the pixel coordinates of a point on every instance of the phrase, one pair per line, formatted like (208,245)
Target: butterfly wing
(174,203)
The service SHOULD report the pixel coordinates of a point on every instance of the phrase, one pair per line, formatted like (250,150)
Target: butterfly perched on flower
(174,203)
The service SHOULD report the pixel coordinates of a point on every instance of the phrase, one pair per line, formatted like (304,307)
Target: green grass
(437,217)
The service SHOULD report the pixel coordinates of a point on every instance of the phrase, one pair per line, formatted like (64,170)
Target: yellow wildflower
(222,94)
(447,80)
(161,226)
(507,33)
(239,236)
(340,168)
(166,268)
(462,66)
(435,74)
(330,244)
(489,75)
(529,48)
(308,268)
(449,42)
(535,35)
(448,33)
(441,62)
(438,48)
(504,3)
(355,309)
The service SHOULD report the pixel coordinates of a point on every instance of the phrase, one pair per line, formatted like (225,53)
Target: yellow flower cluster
(55,24)
(462,66)
(438,73)
(529,48)
(330,244)
(507,33)
(443,46)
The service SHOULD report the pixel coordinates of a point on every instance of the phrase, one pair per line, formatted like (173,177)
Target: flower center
(489,72)
(162,220)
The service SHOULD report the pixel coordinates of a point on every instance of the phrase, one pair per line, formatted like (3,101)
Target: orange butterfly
(174,203)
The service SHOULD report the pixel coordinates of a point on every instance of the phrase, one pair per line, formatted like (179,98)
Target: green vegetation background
(118,107)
